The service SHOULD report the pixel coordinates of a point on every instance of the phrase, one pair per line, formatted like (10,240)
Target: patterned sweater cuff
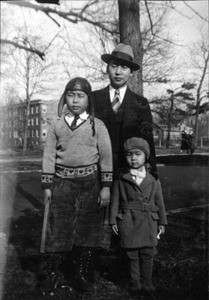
(106,179)
(46,181)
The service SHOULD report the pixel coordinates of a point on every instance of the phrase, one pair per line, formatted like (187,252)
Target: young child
(137,212)
(76,178)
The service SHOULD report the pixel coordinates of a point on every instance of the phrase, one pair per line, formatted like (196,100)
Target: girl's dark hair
(90,110)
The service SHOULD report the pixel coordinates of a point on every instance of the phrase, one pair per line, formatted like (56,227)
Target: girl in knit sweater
(76,179)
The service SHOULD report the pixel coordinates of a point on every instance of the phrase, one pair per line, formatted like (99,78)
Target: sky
(186,29)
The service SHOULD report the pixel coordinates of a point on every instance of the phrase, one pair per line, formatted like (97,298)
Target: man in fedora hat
(124,113)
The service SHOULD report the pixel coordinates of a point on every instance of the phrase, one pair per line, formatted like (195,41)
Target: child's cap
(79,84)
(137,143)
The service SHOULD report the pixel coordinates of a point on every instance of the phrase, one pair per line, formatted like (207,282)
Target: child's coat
(137,210)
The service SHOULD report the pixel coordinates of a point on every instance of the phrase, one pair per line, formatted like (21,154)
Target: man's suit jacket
(132,119)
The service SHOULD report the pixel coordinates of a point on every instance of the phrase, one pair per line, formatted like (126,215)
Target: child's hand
(161,231)
(104,197)
(115,229)
(47,195)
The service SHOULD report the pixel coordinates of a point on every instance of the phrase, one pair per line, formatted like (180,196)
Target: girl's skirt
(74,215)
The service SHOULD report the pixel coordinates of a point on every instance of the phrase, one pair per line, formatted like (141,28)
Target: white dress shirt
(82,117)
(121,90)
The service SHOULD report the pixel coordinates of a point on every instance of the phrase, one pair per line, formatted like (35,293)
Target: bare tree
(26,72)
(200,59)
(173,107)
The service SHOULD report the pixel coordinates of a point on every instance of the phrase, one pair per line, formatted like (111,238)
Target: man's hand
(115,229)
(104,197)
(47,195)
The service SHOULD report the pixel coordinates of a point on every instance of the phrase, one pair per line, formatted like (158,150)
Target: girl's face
(77,102)
(135,158)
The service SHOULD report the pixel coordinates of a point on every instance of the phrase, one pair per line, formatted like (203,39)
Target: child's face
(135,158)
(77,102)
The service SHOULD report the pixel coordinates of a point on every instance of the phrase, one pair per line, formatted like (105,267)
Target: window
(37,121)
(32,110)
(37,133)
(28,122)
(37,109)
(32,122)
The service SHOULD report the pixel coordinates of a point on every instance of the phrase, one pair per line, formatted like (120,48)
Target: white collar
(138,173)
(83,116)
(122,92)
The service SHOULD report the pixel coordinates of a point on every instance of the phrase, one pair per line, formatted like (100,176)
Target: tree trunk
(129,23)
(168,136)
(196,124)
(25,134)
(170,119)
(27,75)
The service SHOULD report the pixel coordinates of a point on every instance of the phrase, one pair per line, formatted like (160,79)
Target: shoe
(81,267)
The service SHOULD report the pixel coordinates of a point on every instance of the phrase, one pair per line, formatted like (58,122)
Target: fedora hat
(122,54)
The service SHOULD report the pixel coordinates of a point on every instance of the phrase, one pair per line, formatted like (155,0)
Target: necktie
(74,123)
(116,101)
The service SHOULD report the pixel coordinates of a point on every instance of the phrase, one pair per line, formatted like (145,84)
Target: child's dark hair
(78,84)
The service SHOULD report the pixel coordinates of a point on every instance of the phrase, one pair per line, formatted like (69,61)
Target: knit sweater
(77,148)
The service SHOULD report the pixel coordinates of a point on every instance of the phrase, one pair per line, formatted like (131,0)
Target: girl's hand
(47,195)
(104,197)
(115,229)
(161,231)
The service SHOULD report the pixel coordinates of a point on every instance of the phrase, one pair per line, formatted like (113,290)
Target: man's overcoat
(132,119)
(137,210)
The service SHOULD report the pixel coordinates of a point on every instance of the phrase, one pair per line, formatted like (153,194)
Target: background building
(13,120)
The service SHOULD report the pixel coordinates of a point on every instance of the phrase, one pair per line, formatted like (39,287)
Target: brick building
(12,122)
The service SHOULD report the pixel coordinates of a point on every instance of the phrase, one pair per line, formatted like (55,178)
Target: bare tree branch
(152,27)
(179,12)
(17,45)
(201,17)
(70,16)
(149,16)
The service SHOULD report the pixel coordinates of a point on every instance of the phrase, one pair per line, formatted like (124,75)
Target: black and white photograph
(104,150)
